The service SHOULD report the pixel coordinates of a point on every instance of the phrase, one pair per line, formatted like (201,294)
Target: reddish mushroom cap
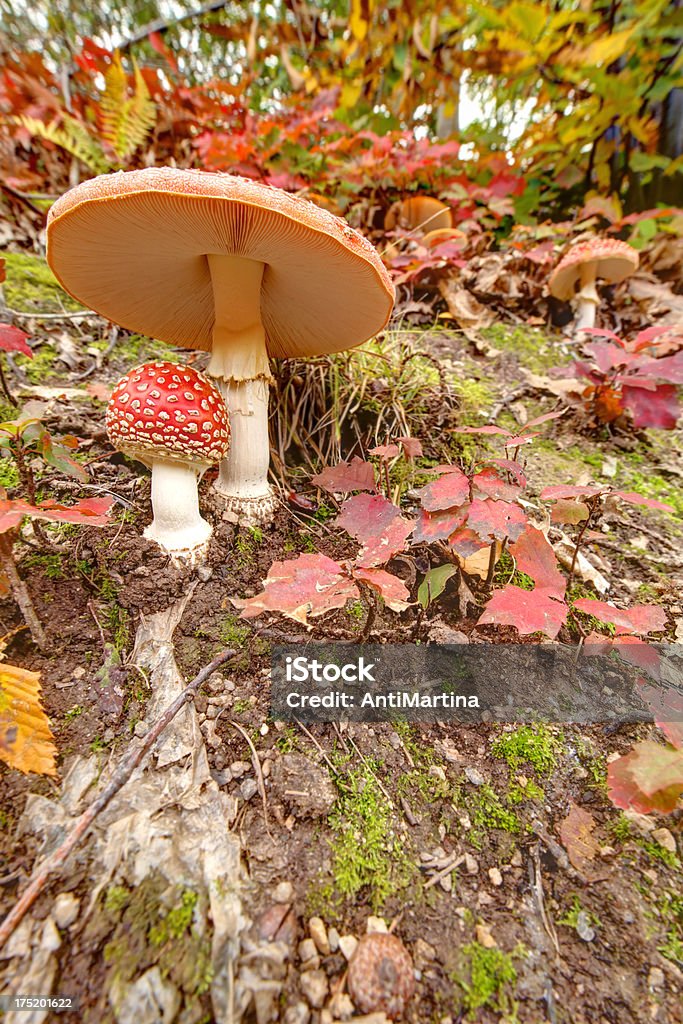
(164,410)
(616,260)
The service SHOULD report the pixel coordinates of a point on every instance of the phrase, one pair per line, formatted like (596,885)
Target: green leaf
(434,583)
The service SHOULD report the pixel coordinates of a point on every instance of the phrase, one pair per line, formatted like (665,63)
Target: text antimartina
(397,699)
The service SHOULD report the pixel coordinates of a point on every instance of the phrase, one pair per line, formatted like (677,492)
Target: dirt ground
(359,822)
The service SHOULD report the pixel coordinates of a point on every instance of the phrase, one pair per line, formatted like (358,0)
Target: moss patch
(32,287)
(535,745)
(492,976)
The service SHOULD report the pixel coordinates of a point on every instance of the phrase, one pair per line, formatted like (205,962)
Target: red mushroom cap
(616,260)
(164,410)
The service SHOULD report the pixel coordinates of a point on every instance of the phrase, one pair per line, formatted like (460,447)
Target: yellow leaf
(359,19)
(25,735)
(607,49)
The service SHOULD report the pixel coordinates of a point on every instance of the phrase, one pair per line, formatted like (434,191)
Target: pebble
(471,864)
(437,772)
(333,939)
(50,939)
(283,892)
(238,769)
(484,937)
(347,944)
(665,839)
(141,729)
(318,933)
(297,1014)
(341,1006)
(65,909)
(423,954)
(495,876)
(213,711)
(314,987)
(516,859)
(474,776)
(584,928)
(308,954)
(376,924)
(248,789)
(655,978)
(204,572)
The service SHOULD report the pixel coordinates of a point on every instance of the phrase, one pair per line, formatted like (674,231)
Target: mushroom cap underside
(134,245)
(615,261)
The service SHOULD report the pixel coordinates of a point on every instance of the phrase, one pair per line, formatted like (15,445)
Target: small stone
(651,874)
(655,978)
(318,933)
(381,975)
(297,1014)
(465,822)
(78,672)
(266,768)
(283,892)
(607,852)
(495,876)
(65,909)
(341,1006)
(665,839)
(446,883)
(265,729)
(471,864)
(437,772)
(50,939)
(474,776)
(584,929)
(516,859)
(204,572)
(484,937)
(213,711)
(423,954)
(376,924)
(333,939)
(248,789)
(239,768)
(314,987)
(347,944)
(141,729)
(308,954)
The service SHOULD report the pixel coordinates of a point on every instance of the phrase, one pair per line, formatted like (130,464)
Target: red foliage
(12,339)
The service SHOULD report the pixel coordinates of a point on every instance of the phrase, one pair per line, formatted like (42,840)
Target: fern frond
(71,136)
(126,121)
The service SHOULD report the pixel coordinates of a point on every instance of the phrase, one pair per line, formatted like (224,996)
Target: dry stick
(118,779)
(20,592)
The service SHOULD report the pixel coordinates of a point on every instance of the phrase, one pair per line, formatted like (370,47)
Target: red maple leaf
(641,618)
(88,512)
(12,339)
(377,524)
(450,491)
(356,475)
(658,408)
(490,484)
(649,778)
(529,611)
(496,519)
(391,589)
(535,556)
(303,586)
(433,526)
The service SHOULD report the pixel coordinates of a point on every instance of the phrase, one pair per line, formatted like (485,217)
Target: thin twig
(122,774)
(257,769)
(52,316)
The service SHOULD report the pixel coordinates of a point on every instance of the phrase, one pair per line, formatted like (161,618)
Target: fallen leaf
(648,779)
(25,734)
(640,618)
(307,585)
(529,611)
(377,524)
(356,475)
(467,311)
(576,833)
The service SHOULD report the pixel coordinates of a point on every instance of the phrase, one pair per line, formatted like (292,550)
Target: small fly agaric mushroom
(419,213)
(225,264)
(174,420)
(605,258)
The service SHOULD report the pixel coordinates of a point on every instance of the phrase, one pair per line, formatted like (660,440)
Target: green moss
(533,348)
(492,976)
(50,565)
(507,573)
(176,921)
(32,287)
(232,632)
(9,476)
(620,828)
(657,852)
(116,898)
(570,918)
(487,811)
(367,854)
(132,349)
(474,395)
(287,741)
(42,367)
(535,745)
(355,610)
(670,911)
(75,712)
(518,793)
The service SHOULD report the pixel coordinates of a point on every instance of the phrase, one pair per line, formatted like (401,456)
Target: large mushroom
(598,258)
(174,420)
(228,265)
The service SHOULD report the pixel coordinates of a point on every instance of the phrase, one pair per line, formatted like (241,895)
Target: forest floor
(354,824)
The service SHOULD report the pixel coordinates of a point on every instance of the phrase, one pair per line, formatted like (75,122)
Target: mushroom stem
(588,298)
(239,364)
(177,525)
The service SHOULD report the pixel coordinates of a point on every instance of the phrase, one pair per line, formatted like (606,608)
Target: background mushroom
(174,420)
(605,258)
(419,213)
(228,265)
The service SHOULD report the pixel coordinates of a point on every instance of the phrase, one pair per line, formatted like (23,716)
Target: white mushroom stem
(177,526)
(239,364)
(588,298)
